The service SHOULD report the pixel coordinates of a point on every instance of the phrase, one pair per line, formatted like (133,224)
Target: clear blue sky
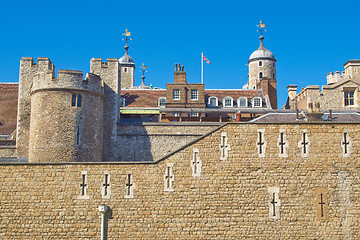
(309,38)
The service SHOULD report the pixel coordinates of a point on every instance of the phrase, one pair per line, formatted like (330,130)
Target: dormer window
(260,75)
(256,102)
(260,63)
(122,102)
(213,102)
(242,102)
(349,98)
(161,101)
(228,102)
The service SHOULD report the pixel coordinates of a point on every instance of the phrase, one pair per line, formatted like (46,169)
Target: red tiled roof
(142,98)
(149,98)
(8,107)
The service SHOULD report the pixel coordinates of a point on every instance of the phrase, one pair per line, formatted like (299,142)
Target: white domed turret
(262,64)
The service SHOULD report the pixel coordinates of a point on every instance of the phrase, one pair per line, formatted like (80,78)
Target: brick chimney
(179,74)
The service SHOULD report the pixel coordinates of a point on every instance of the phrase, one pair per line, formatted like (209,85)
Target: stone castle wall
(152,141)
(246,194)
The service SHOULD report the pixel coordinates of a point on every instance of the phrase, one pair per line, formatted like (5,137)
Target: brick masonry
(230,200)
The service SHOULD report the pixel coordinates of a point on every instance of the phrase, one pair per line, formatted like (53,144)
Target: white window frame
(159,100)
(176,97)
(242,98)
(228,98)
(209,101)
(193,114)
(194,93)
(122,102)
(253,102)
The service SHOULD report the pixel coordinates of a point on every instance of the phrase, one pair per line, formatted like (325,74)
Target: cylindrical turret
(66,122)
(262,64)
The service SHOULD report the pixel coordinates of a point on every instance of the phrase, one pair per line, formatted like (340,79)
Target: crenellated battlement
(98,63)
(68,79)
(333,77)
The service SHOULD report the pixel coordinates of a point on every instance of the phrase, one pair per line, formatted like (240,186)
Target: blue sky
(309,38)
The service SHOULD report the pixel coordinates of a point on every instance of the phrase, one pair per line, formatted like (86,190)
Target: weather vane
(143,67)
(261,27)
(127,35)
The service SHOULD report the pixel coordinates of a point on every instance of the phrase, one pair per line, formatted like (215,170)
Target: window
(257,102)
(194,94)
(260,75)
(242,102)
(176,94)
(122,102)
(76,100)
(349,98)
(161,102)
(125,69)
(175,114)
(260,63)
(273,75)
(213,102)
(273,64)
(78,135)
(228,102)
(193,114)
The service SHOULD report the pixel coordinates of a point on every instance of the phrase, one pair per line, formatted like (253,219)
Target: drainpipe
(103,209)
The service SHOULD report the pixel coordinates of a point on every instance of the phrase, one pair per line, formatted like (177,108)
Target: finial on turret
(143,67)
(261,29)
(127,38)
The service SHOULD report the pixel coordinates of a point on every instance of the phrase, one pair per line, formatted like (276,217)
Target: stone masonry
(244,196)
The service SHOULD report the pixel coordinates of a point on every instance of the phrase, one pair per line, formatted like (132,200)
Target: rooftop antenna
(127,38)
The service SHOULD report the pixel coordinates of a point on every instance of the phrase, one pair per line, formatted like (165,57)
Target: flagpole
(202,67)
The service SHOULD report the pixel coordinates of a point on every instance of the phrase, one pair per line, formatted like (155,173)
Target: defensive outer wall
(247,194)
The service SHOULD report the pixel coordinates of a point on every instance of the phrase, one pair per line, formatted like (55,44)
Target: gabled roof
(8,107)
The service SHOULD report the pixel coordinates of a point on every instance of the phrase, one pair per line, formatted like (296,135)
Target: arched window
(73,100)
(228,102)
(122,102)
(79,98)
(260,63)
(161,101)
(76,100)
(213,102)
(242,102)
(260,75)
(256,102)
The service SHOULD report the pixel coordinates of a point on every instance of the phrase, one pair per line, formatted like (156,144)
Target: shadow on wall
(134,143)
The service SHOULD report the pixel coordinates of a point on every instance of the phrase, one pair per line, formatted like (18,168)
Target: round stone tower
(66,122)
(127,69)
(262,64)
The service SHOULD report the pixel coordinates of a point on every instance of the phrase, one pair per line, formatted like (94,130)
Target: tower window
(273,75)
(260,63)
(79,101)
(125,69)
(76,100)
(73,100)
(273,64)
(78,135)
(260,75)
